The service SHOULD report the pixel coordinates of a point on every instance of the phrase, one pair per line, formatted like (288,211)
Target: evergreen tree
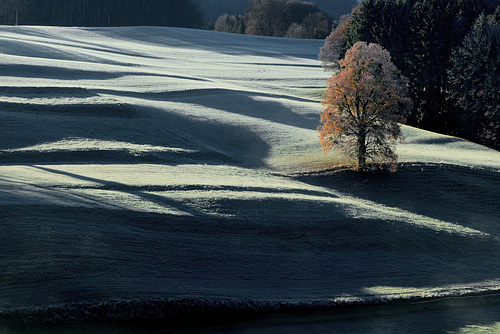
(474,82)
(420,35)
(179,13)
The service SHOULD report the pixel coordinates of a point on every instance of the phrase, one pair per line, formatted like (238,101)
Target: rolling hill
(174,177)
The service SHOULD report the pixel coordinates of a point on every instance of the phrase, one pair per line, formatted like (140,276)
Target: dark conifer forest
(102,13)
(450,52)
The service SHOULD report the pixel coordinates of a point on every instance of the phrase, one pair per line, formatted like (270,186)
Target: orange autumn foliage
(362,106)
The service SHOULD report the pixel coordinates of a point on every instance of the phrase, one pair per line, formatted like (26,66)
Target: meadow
(174,177)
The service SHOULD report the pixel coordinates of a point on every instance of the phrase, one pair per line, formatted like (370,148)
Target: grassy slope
(146,162)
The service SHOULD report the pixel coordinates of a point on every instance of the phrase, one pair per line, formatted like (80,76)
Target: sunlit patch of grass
(311,93)
(480,329)
(400,292)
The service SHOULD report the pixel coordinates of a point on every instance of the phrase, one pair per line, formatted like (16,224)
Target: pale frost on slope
(228,94)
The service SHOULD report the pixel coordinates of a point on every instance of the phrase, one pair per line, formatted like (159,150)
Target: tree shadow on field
(280,245)
(238,144)
(250,104)
(64,246)
(462,195)
(201,140)
(255,105)
(68,74)
(57,73)
(121,187)
(230,44)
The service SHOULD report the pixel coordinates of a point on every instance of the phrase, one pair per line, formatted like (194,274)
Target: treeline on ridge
(280,18)
(215,8)
(448,49)
(102,13)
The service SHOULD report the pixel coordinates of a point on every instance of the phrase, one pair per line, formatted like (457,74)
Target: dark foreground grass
(262,261)
(464,195)
(278,259)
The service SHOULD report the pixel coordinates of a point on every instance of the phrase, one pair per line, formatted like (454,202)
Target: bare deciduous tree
(265,17)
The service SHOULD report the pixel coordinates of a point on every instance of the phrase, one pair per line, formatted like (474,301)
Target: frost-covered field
(175,175)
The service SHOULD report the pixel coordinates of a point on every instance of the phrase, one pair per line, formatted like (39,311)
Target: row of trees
(215,8)
(263,17)
(448,49)
(278,18)
(178,13)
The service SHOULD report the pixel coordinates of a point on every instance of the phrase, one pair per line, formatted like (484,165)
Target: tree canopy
(363,104)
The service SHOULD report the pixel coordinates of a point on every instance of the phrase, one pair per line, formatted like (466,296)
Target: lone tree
(362,106)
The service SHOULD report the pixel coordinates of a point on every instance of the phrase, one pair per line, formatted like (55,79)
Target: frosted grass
(180,150)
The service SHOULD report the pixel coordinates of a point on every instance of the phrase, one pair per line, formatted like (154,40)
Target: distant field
(173,177)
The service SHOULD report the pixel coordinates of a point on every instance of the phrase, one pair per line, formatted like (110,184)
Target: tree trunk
(362,151)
